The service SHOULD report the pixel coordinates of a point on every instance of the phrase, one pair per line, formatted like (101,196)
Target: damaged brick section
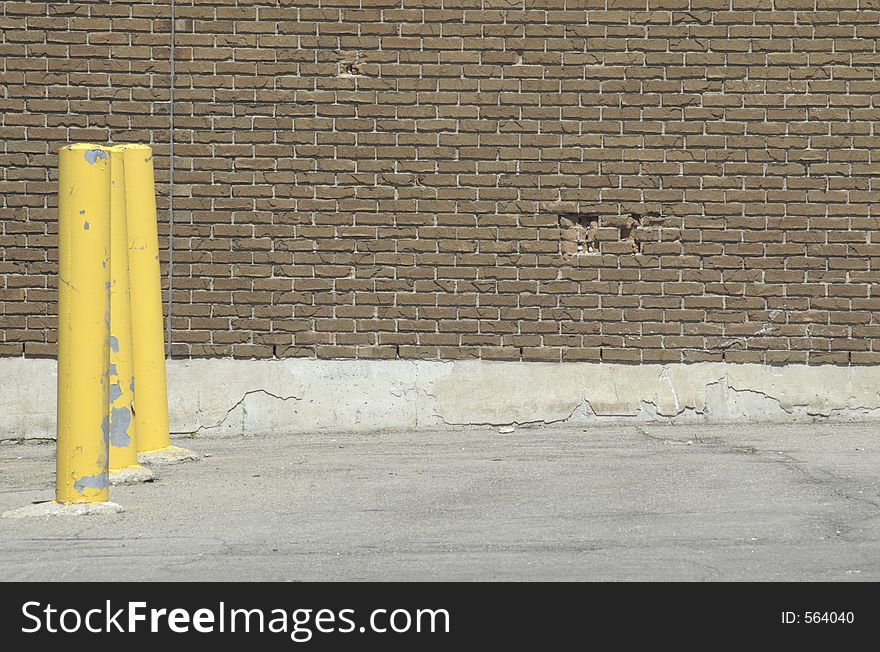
(579,234)
(350,63)
(625,233)
(350,69)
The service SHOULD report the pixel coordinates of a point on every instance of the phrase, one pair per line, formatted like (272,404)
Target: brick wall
(615,180)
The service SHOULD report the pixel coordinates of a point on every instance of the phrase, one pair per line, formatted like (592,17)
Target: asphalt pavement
(635,502)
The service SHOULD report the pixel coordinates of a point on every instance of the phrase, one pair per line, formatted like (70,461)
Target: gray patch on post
(120,419)
(105,428)
(132,386)
(113,371)
(100,481)
(85,226)
(114,344)
(115,393)
(93,155)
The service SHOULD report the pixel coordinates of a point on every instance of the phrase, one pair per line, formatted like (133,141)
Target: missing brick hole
(579,234)
(350,69)
(628,230)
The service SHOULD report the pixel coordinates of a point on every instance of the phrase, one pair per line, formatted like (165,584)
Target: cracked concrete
(617,502)
(239,425)
(233,397)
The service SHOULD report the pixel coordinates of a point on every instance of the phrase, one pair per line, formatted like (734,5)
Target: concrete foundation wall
(231,397)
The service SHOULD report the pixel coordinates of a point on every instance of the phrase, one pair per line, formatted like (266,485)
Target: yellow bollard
(82,483)
(124,467)
(151,392)
(83,324)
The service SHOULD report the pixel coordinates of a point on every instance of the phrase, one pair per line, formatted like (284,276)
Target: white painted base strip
(233,397)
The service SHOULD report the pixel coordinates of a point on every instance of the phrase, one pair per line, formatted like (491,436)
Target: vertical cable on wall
(171,176)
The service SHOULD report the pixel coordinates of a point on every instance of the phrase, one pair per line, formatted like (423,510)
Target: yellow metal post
(124,467)
(82,474)
(151,392)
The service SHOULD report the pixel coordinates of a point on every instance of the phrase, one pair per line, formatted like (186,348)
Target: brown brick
(353,181)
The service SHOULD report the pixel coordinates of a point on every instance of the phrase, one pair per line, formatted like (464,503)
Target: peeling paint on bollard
(92,156)
(124,465)
(120,421)
(99,482)
(82,473)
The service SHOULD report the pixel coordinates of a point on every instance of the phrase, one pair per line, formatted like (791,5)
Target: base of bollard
(134,474)
(168,455)
(52,508)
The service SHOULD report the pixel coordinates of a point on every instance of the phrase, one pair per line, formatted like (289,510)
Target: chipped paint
(100,482)
(123,429)
(93,155)
(113,371)
(84,220)
(120,420)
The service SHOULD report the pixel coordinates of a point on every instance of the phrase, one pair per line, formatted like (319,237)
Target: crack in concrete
(828,481)
(238,403)
(583,403)
(664,375)
(711,405)
(794,409)
(821,479)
